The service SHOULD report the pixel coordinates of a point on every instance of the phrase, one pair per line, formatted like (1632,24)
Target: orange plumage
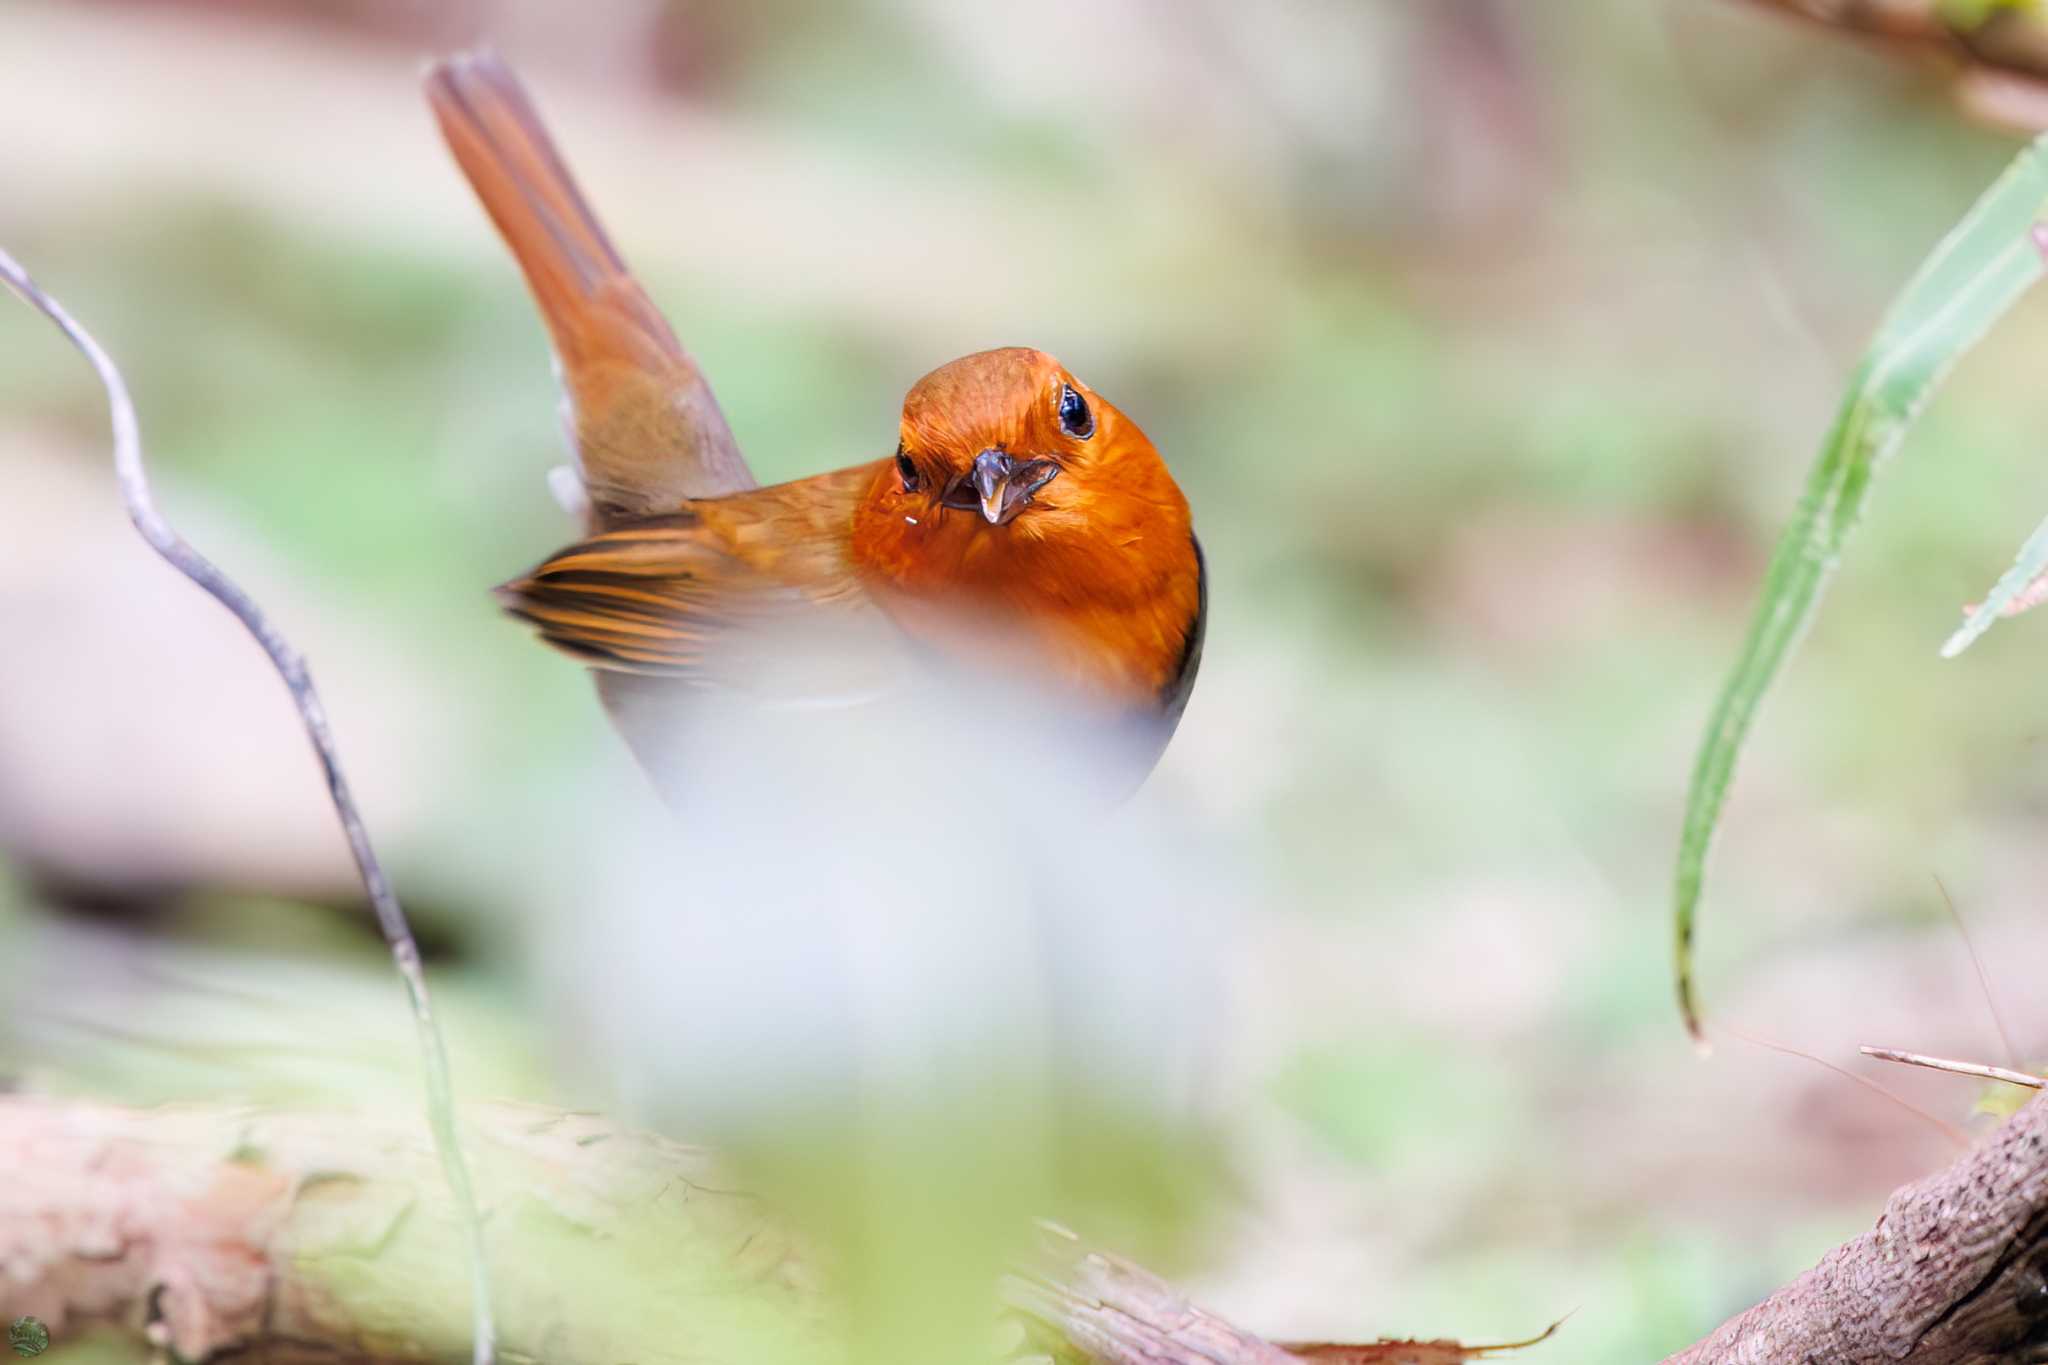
(1023,523)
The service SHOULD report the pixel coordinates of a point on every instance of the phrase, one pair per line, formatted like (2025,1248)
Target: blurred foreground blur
(1490,342)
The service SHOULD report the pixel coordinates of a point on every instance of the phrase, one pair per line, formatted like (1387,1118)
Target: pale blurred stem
(2000,65)
(326,1236)
(133,477)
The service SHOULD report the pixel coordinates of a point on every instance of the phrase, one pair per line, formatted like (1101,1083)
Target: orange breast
(1101,591)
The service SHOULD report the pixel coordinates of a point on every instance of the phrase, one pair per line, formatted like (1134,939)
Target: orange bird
(1022,522)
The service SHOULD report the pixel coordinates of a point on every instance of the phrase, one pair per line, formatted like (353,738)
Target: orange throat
(1095,592)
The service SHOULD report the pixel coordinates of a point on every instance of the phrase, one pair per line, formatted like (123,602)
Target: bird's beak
(991,479)
(999,485)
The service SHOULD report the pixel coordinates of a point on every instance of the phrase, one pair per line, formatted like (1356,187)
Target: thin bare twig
(1977,1069)
(133,477)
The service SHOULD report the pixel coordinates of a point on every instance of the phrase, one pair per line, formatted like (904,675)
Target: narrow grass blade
(2005,596)
(1977,272)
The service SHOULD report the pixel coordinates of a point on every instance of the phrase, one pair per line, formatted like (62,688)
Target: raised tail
(647,431)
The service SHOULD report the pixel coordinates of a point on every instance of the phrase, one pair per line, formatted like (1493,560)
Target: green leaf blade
(1972,278)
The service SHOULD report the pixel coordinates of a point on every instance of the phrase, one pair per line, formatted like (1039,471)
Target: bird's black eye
(907,470)
(1075,419)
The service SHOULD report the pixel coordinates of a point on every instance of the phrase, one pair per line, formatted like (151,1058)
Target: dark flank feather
(1174,699)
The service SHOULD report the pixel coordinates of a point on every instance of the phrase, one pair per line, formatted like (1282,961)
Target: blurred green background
(1490,341)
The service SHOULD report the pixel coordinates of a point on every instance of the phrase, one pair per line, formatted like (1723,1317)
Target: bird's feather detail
(663,595)
(646,429)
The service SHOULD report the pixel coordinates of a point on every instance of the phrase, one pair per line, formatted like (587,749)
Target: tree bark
(1955,1272)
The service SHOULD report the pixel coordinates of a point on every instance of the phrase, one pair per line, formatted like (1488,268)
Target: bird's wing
(676,595)
(647,431)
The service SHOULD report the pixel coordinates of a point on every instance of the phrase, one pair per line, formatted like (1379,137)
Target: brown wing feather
(648,432)
(661,595)
(651,598)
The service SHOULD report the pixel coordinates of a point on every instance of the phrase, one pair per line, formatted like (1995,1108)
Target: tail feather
(647,430)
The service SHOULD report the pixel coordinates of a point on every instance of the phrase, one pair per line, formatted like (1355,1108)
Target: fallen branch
(213,1231)
(327,1235)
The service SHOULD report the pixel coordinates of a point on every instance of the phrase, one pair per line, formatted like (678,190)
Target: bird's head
(1022,513)
(1008,444)
(990,432)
